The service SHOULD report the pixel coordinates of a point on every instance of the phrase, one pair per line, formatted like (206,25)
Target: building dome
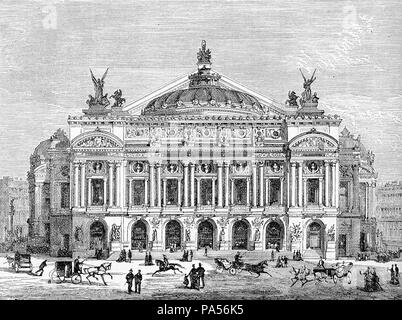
(204,95)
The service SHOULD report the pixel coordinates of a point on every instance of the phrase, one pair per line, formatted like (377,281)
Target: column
(192,189)
(118,185)
(356,199)
(164,193)
(130,193)
(320,192)
(213,192)
(232,193)
(300,184)
(227,185)
(337,184)
(111,169)
(220,185)
(76,185)
(104,191)
(293,174)
(123,184)
(248,192)
(198,192)
(179,192)
(267,192)
(261,185)
(89,200)
(326,165)
(333,202)
(151,185)
(254,165)
(83,184)
(158,184)
(185,191)
(366,204)
(304,192)
(281,191)
(146,193)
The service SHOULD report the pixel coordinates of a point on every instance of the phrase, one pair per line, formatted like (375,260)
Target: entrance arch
(97,234)
(274,234)
(173,234)
(315,239)
(240,235)
(139,235)
(206,234)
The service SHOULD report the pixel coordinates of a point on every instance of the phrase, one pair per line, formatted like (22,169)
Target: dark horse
(257,268)
(163,268)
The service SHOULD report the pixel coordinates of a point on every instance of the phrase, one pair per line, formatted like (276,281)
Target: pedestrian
(392,275)
(150,263)
(206,251)
(191,256)
(201,273)
(194,278)
(285,260)
(146,258)
(277,247)
(272,255)
(41,267)
(124,255)
(137,280)
(129,280)
(129,255)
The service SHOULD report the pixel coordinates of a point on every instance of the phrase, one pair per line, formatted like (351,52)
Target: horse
(10,261)
(257,268)
(101,270)
(300,275)
(163,268)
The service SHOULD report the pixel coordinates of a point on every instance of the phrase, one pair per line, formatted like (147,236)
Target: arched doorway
(205,234)
(274,235)
(139,236)
(97,234)
(240,235)
(314,236)
(173,234)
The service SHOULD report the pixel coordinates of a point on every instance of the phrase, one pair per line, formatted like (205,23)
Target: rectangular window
(65,195)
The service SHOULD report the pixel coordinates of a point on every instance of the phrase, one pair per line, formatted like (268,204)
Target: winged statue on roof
(99,98)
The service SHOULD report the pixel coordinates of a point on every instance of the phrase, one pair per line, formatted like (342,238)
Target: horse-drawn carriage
(236,267)
(63,270)
(334,272)
(20,261)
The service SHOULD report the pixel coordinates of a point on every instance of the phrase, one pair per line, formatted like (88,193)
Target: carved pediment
(97,142)
(314,142)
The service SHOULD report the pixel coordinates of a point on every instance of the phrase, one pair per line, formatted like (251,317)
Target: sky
(47,48)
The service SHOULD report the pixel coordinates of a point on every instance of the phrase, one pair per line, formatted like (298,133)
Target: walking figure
(41,267)
(206,251)
(201,273)
(129,280)
(191,256)
(137,280)
(129,255)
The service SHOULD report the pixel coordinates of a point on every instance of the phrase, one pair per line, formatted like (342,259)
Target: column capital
(293,164)
(220,163)
(326,163)
(185,163)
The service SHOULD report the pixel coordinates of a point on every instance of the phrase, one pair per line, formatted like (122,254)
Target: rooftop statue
(204,54)
(292,101)
(118,99)
(306,95)
(99,98)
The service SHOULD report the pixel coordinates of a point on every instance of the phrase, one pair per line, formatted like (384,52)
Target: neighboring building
(389,215)
(202,161)
(14,209)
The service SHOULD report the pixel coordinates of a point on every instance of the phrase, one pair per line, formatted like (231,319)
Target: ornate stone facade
(204,162)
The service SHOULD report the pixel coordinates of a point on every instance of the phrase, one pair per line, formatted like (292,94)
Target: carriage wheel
(232,271)
(76,278)
(219,269)
(349,277)
(56,278)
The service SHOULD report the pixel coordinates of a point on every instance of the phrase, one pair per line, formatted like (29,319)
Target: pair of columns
(299,198)
(81,199)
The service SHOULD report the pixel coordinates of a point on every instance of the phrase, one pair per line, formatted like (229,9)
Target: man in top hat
(41,267)
(129,280)
(137,280)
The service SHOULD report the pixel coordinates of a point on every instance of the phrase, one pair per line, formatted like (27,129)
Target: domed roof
(204,95)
